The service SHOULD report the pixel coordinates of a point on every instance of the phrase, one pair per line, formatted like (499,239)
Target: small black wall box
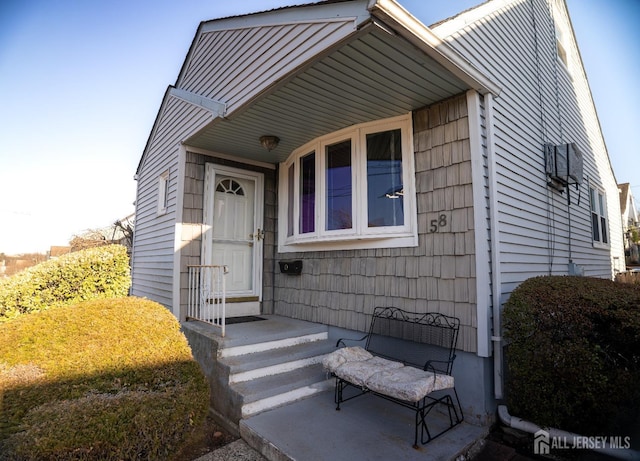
(291,267)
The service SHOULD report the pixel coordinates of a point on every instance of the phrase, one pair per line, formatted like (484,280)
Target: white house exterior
(411,168)
(630,224)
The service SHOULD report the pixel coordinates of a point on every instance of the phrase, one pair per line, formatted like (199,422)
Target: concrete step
(275,333)
(271,391)
(275,361)
(253,348)
(274,377)
(260,365)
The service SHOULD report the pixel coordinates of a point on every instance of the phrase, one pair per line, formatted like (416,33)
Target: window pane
(339,186)
(600,204)
(385,191)
(308,193)
(595,227)
(603,219)
(290,183)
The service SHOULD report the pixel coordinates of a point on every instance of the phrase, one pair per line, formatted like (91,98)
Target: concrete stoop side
(260,365)
(262,445)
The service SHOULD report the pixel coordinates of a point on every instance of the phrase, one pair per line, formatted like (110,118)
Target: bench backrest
(434,337)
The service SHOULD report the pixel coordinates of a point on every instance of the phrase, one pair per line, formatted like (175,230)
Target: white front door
(233,218)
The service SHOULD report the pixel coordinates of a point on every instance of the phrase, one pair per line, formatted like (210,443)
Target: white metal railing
(207,295)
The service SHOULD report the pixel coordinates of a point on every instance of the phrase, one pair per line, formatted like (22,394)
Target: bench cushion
(407,383)
(332,361)
(359,372)
(361,368)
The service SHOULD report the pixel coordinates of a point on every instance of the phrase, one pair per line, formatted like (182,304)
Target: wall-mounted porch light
(269,142)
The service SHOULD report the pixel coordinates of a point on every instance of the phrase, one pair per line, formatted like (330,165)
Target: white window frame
(360,236)
(600,210)
(563,50)
(163,193)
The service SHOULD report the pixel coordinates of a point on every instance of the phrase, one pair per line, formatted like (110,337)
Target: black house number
(436,225)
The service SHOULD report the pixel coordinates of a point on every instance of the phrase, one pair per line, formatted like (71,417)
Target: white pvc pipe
(567,437)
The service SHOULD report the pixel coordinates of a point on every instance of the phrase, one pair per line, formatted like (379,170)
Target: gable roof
(301,72)
(628,208)
(624,197)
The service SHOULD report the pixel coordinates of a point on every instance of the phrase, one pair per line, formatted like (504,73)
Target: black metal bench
(405,358)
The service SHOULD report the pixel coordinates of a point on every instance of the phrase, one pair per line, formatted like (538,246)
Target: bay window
(351,189)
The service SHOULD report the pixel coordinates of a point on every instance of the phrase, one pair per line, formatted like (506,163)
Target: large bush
(573,353)
(96,273)
(101,380)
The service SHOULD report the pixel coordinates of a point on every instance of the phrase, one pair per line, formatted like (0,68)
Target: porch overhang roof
(392,64)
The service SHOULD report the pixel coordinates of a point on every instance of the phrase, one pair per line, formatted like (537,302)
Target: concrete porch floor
(368,428)
(310,429)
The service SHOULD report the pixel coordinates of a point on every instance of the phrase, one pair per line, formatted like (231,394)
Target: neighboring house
(630,225)
(56,251)
(422,168)
(120,233)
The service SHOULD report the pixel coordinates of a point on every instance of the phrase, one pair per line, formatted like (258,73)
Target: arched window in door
(229,186)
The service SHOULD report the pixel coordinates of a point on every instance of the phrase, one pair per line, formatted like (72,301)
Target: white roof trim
(343,12)
(217,108)
(420,35)
(462,20)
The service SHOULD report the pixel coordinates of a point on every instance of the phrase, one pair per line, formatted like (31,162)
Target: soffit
(377,74)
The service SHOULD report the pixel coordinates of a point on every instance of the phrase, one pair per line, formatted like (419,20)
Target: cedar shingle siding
(342,288)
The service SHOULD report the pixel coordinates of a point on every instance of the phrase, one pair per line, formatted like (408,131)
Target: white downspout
(496,275)
(483,260)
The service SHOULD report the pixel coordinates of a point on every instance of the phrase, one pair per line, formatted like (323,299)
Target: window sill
(351,243)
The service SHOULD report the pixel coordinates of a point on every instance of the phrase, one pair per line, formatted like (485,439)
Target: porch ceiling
(377,74)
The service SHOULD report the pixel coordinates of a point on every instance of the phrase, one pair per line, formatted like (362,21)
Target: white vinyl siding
(539,229)
(254,58)
(154,240)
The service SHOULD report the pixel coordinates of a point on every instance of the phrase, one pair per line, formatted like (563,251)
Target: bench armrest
(341,341)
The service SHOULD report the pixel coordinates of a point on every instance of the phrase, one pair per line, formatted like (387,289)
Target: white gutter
(599,444)
(409,27)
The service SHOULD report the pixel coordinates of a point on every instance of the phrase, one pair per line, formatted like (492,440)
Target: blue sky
(81,83)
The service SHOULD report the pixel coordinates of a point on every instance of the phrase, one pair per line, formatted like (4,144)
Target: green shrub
(573,354)
(101,380)
(96,273)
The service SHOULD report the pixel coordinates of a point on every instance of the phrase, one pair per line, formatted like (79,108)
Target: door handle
(259,235)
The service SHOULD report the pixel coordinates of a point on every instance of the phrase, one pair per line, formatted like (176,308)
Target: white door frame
(211,169)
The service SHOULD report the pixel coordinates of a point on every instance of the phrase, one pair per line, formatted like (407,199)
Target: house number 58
(436,225)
